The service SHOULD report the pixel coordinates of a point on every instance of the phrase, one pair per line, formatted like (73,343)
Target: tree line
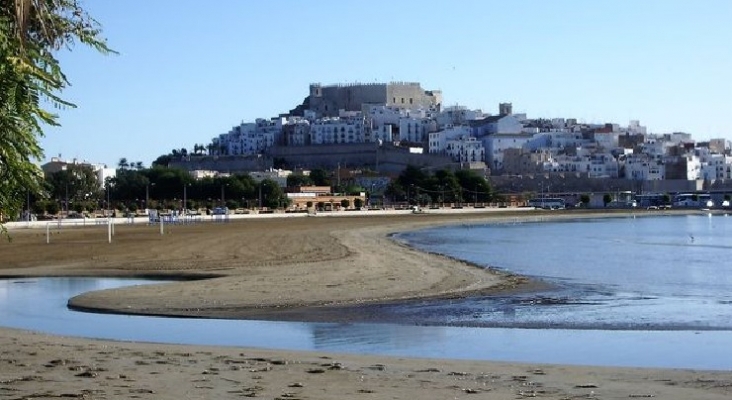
(418,187)
(77,189)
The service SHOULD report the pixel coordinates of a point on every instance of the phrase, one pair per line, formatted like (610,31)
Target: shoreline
(43,366)
(37,365)
(472,279)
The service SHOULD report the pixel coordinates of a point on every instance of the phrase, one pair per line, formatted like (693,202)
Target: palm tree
(139,165)
(123,164)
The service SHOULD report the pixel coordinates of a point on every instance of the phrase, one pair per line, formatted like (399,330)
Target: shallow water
(664,273)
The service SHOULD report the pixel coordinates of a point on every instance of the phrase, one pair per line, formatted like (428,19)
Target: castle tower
(316,90)
(505,109)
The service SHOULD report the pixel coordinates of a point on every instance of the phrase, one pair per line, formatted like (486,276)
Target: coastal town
(361,137)
(382,200)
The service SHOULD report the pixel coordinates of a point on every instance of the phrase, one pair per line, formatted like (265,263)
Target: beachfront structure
(321,197)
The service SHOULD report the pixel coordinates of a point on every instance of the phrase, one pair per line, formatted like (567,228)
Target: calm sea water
(643,292)
(672,272)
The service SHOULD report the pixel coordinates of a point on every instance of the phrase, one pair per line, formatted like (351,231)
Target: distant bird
(691,237)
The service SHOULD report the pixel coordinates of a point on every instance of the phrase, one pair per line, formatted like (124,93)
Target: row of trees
(415,186)
(77,189)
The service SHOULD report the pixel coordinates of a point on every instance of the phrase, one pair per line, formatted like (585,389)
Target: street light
(223,197)
(67,199)
(185,194)
(147,195)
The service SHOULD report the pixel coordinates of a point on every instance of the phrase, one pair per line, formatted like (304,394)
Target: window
(410,101)
(402,100)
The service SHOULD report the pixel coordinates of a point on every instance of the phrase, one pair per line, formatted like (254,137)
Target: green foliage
(295,180)
(443,186)
(345,203)
(272,194)
(607,198)
(320,177)
(31,33)
(77,184)
(52,207)
(163,160)
(585,199)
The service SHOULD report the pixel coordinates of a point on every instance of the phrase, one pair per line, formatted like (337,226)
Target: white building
(713,165)
(337,130)
(249,138)
(438,140)
(607,140)
(693,167)
(102,173)
(499,124)
(296,132)
(416,130)
(465,149)
(642,167)
(598,165)
(277,175)
(496,144)
(556,141)
(456,115)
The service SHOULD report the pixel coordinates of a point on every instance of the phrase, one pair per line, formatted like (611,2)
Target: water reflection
(623,273)
(40,304)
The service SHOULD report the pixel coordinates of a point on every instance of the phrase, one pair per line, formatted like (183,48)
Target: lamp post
(223,196)
(147,195)
(260,194)
(185,194)
(66,206)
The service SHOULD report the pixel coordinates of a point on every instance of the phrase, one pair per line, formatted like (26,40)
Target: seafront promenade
(196,218)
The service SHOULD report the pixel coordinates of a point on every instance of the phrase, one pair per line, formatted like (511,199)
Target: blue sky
(189,70)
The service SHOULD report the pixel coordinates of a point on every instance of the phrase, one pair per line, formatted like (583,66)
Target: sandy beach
(262,268)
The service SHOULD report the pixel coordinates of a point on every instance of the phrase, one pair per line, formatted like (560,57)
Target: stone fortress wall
(328,100)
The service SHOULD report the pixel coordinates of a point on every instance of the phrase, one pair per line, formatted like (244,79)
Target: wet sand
(258,267)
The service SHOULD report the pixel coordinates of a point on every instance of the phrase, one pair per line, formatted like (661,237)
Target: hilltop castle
(329,100)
